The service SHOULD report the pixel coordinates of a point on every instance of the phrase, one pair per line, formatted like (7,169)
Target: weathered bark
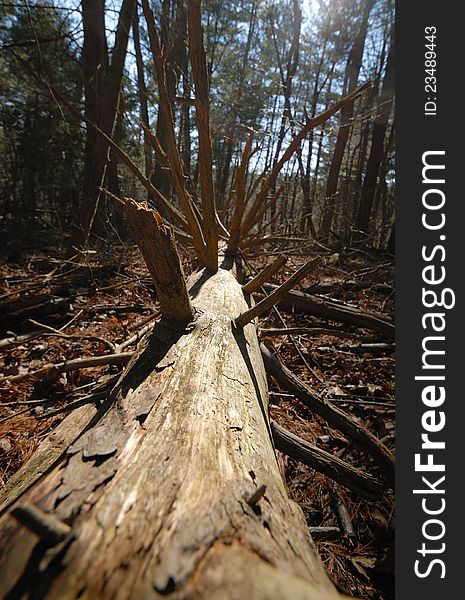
(158,492)
(47,455)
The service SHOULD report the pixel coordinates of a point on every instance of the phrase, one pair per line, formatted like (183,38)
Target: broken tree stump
(157,245)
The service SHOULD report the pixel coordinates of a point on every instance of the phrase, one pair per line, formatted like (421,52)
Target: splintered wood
(156,242)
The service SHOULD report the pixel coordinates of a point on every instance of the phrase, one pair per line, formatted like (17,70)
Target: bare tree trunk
(102,90)
(142,92)
(307,200)
(377,145)
(161,179)
(354,63)
(361,161)
(183,65)
(382,191)
(317,168)
(225,168)
(286,82)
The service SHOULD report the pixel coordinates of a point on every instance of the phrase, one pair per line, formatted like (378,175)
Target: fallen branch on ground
(51,331)
(299,302)
(68,365)
(325,533)
(311,331)
(323,462)
(358,434)
(344,520)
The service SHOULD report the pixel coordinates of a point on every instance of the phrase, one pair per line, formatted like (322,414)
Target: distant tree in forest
(40,149)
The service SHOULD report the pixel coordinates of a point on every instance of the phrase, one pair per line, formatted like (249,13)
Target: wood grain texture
(157,245)
(156,491)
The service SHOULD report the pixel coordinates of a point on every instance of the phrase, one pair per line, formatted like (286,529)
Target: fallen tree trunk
(161,491)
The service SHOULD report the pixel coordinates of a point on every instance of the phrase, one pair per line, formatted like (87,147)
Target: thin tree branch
(69,365)
(357,434)
(264,276)
(199,73)
(241,174)
(173,159)
(294,146)
(275,296)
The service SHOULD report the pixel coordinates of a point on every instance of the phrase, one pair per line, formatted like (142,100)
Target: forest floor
(94,308)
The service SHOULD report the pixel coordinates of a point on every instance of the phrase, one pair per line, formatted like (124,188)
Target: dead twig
(136,337)
(264,276)
(69,365)
(51,331)
(278,293)
(343,519)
